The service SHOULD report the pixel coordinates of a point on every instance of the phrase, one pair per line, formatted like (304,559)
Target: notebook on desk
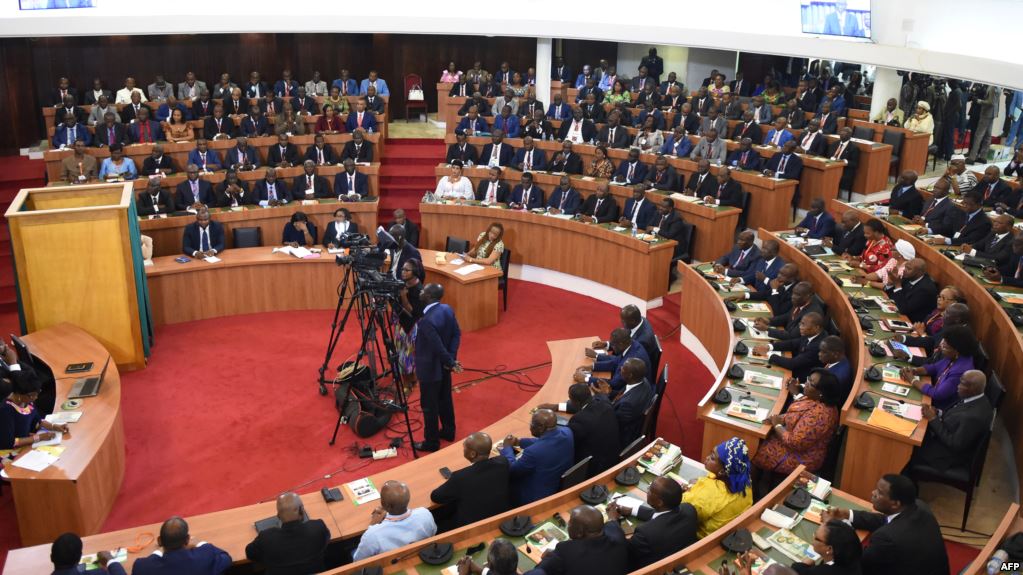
(89,386)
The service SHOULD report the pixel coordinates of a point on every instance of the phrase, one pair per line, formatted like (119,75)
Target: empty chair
(650,417)
(863,133)
(575,474)
(688,230)
(633,448)
(247,237)
(456,245)
(893,137)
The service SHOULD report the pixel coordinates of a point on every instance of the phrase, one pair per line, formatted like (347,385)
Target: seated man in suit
(614,135)
(762,113)
(631,171)
(731,107)
(70,132)
(236,106)
(833,359)
(203,157)
(358,149)
(848,237)
(526,196)
(915,292)
(66,555)
(620,347)
(284,154)
(309,185)
(177,554)
(478,491)
(154,200)
(728,192)
(157,163)
(472,124)
(346,86)
(506,99)
(974,224)
(710,148)
(361,118)
(905,198)
(594,427)
(242,157)
(794,115)
(222,89)
(688,119)
(904,535)
(271,191)
(351,184)
(745,157)
(64,90)
(639,329)
(537,127)
(639,212)
(564,199)
(566,161)
(954,435)
(496,153)
(410,231)
(69,107)
(827,119)
(530,104)
(462,151)
(193,192)
(649,111)
(997,245)
(593,110)
(233,192)
(713,120)
(779,135)
(668,523)
(320,153)
(339,227)
(304,104)
(812,141)
(203,237)
(507,122)
(593,547)
(940,216)
(529,157)
(100,110)
(536,473)
(785,164)
(297,545)
(845,150)
(255,124)
(217,127)
(669,225)
(376,82)
(818,223)
(255,88)
(558,109)
(584,76)
(110,132)
(786,325)
(741,261)
(631,400)
(130,111)
(663,177)
(677,144)
(590,89)
(160,90)
(502,559)
(578,130)
(747,128)
(493,190)
(996,193)
(476,101)
(766,268)
(79,167)
(393,524)
(805,348)
(777,293)
(600,208)
(285,87)
(402,252)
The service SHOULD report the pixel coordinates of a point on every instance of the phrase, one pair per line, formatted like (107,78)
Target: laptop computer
(89,386)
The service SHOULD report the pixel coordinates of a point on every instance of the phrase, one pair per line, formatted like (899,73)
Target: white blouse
(460,190)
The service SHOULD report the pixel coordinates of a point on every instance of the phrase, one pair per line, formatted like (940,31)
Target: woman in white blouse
(649,136)
(456,186)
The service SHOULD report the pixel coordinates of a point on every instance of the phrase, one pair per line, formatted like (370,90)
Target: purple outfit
(945,374)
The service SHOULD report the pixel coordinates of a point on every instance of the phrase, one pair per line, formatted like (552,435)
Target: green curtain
(141,286)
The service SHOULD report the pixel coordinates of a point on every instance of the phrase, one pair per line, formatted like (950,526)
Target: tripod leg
(335,330)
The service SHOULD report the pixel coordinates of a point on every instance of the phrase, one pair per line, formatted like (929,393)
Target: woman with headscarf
(921,121)
(894,267)
(726,490)
(958,348)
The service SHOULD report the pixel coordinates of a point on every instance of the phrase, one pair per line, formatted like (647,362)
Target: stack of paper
(749,413)
(908,411)
(362,491)
(661,457)
(883,419)
(895,389)
(56,440)
(762,379)
(300,252)
(35,460)
(754,307)
(63,417)
(466,270)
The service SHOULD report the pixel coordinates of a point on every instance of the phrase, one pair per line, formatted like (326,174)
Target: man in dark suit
(192,192)
(236,105)
(232,192)
(669,225)
(600,208)
(559,110)
(904,535)
(255,88)
(284,154)
(747,128)
(593,110)
(741,260)
(620,348)
(63,91)
(203,237)
(304,104)
(217,126)
(954,435)
(270,105)
(845,150)
(242,156)
(478,491)
(579,129)
(561,72)
(632,400)
(997,245)
(203,107)
(777,293)
(526,196)
(905,199)
(296,546)
(594,427)
(110,132)
(497,153)
(590,89)
(351,183)
(701,183)
(702,102)
(178,556)
(688,119)
(536,472)
(320,153)
(728,192)
(157,163)
(833,359)
(785,164)
(529,158)
(255,123)
(668,524)
(995,192)
(69,107)
(787,325)
(631,171)
(493,190)
(914,293)
(827,119)
(410,228)
(402,252)
(812,140)
(639,329)
(358,149)
(309,185)
(805,349)
(482,108)
(973,224)
(154,200)
(940,216)
(663,177)
(766,268)
(593,547)
(848,237)
(818,223)
(745,157)
(566,161)
(564,199)
(272,191)
(672,82)
(614,135)
(462,151)
(374,102)
(360,117)
(639,212)
(437,341)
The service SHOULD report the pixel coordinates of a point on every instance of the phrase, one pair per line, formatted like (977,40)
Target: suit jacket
(467,125)
(851,154)
(594,113)
(369,121)
(796,118)
(907,200)
(206,559)
(647,212)
(321,187)
(728,195)
(151,165)
(702,105)
(504,156)
(657,116)
(740,268)
(234,157)
(257,90)
(330,234)
(762,115)
(568,200)
(942,217)
(816,146)
(629,408)
(190,241)
(910,543)
(562,74)
(224,200)
(62,136)
(294,548)
(829,125)
(481,105)
(526,108)
(349,87)
(537,472)
(612,363)
(184,198)
(588,131)
(788,322)
(468,154)
(308,105)
(749,160)
(661,536)
(559,112)
(535,199)
(667,181)
(607,211)
(708,187)
(328,154)
(804,358)
(146,206)
(476,492)
(239,108)
(621,137)
(539,159)
(639,171)
(992,248)
(380,85)
(90,96)
(282,88)
(672,227)
(714,152)
(511,126)
(102,137)
(254,127)
(915,301)
(954,437)
(851,242)
(780,300)
(502,193)
(691,123)
(793,166)
(362,154)
(202,109)
(842,370)
(210,129)
(820,227)
(720,124)
(998,193)
(222,92)
(135,132)
(770,270)
(128,113)
(971,230)
(375,104)
(341,184)
(183,90)
(411,232)
(439,336)
(264,107)
(281,190)
(81,117)
(606,553)
(744,130)
(598,94)
(275,156)
(595,432)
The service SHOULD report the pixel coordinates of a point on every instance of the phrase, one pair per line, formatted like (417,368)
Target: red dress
(809,425)
(876,254)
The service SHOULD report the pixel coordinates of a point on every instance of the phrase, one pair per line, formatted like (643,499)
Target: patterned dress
(877,253)
(809,426)
(484,249)
(602,169)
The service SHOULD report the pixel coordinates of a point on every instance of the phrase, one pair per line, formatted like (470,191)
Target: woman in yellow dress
(177,129)
(726,490)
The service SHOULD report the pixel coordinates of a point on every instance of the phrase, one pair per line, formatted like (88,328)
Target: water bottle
(878,211)
(633,229)
(994,565)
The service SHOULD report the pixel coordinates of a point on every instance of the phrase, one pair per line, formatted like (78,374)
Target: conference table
(232,529)
(193,291)
(167,231)
(597,260)
(77,491)
(715,225)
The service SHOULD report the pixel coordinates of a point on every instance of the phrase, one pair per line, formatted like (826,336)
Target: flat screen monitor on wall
(54,4)
(850,18)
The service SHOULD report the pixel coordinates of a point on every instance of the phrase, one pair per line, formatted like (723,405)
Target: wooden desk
(593,252)
(1011,523)
(77,492)
(195,290)
(446,112)
(913,155)
(167,232)
(714,225)
(232,529)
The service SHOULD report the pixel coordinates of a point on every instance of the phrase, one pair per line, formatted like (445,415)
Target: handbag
(415,94)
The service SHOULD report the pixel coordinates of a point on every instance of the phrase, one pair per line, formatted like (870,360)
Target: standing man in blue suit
(178,554)
(437,341)
(741,261)
(842,22)
(536,473)
(376,82)
(818,224)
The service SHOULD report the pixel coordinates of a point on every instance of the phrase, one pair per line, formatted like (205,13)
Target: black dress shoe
(423,446)
(448,436)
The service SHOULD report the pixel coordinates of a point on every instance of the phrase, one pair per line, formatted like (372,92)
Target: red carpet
(406,172)
(16,172)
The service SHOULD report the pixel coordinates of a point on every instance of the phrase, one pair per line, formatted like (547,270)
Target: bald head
(432,293)
(585,522)
(972,384)
(289,507)
(394,497)
(789,273)
(544,419)
(477,446)
(915,269)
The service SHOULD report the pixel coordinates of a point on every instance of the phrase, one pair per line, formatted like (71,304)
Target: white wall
(974,41)
(630,55)
(703,60)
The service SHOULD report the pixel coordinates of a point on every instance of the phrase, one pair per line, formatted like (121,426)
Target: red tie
(742,256)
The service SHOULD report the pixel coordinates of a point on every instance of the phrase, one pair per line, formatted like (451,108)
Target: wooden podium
(78,259)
